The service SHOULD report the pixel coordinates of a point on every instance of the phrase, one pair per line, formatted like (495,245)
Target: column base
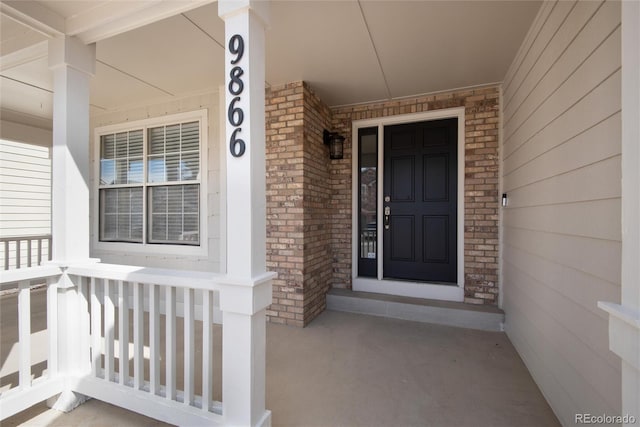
(66,401)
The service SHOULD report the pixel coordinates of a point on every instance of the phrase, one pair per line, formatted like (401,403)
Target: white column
(247,291)
(624,318)
(72,64)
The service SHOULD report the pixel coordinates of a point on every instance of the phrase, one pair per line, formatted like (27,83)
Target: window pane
(368,201)
(121,214)
(135,171)
(190,136)
(175,214)
(156,169)
(189,166)
(159,228)
(110,227)
(156,140)
(107,172)
(121,171)
(172,144)
(174,153)
(108,146)
(135,143)
(172,163)
(122,144)
(121,158)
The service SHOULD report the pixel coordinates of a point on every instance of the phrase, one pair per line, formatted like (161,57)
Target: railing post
(72,332)
(244,352)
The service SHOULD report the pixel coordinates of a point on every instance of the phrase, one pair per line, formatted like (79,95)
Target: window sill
(152,249)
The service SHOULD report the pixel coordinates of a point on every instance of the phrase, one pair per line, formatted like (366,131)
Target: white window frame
(145,247)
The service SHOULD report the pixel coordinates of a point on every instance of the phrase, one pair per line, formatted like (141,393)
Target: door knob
(387,213)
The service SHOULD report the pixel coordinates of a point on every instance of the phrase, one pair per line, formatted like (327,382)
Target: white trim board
(406,288)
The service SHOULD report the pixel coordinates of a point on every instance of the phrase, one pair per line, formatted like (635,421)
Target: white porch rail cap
(31,273)
(239,295)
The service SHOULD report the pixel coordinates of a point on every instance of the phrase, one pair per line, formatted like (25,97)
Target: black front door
(420,201)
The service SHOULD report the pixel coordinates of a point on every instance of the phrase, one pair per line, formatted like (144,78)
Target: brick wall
(481,184)
(309,196)
(298,210)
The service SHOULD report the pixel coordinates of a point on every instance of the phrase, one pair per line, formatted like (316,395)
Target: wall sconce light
(335,143)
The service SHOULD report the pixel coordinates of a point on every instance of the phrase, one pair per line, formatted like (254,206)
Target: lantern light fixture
(335,143)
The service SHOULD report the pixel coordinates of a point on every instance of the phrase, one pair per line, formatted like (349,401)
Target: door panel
(403,177)
(435,174)
(420,235)
(435,238)
(403,236)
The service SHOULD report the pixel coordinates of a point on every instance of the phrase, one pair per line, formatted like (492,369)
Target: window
(150,182)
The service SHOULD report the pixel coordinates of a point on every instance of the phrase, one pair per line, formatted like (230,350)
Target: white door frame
(454,292)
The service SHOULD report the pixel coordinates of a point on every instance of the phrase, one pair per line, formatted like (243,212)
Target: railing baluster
(207,354)
(138,335)
(39,250)
(6,254)
(109,325)
(85,321)
(170,340)
(49,248)
(154,338)
(28,252)
(189,373)
(96,329)
(52,326)
(24,333)
(18,253)
(123,331)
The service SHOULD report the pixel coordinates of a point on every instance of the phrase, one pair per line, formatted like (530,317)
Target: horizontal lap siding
(25,189)
(561,230)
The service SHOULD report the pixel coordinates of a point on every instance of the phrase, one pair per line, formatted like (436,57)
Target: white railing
(30,391)
(107,324)
(25,251)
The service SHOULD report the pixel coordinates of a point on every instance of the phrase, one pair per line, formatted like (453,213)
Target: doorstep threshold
(457,314)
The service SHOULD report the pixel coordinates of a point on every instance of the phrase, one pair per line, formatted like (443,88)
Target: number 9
(236,47)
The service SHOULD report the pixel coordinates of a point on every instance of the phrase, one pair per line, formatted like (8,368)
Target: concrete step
(482,317)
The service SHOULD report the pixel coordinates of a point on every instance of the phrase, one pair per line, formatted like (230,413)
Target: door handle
(387,214)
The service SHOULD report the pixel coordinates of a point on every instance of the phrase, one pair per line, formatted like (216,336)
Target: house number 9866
(235,115)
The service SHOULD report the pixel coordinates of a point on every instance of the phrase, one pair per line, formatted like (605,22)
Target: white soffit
(430,46)
(172,55)
(111,89)
(327,45)
(206,17)
(21,98)
(35,73)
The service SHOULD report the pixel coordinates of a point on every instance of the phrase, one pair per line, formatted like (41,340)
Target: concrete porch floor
(357,370)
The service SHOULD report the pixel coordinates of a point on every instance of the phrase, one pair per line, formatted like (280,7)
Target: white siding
(25,189)
(210,261)
(25,196)
(561,229)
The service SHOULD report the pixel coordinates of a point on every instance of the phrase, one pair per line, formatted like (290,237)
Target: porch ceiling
(350,51)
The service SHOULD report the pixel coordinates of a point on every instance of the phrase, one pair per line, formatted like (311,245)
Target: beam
(113,18)
(24,56)
(34,16)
